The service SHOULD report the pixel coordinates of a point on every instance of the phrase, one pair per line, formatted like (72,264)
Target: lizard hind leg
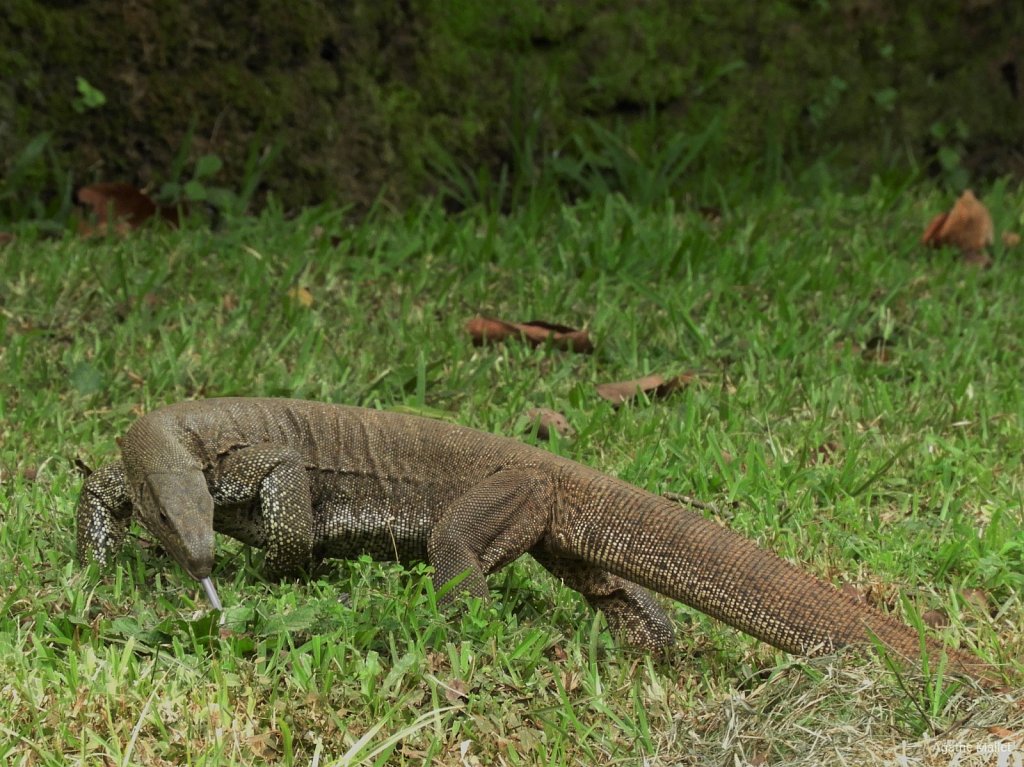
(632,612)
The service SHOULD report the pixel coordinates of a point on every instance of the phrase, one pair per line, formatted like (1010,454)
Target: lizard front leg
(497,521)
(103,515)
(262,497)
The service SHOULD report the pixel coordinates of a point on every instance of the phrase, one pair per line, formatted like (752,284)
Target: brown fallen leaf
(536,332)
(548,421)
(114,205)
(1004,733)
(229,302)
(823,453)
(878,349)
(119,207)
(935,619)
(967,227)
(653,386)
(1011,239)
(5,238)
(978,598)
(977,258)
(265,745)
(302,295)
(455,691)
(711,213)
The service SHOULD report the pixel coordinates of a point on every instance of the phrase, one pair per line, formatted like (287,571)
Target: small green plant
(198,187)
(89,96)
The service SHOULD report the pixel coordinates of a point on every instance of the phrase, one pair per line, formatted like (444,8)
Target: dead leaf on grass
(653,386)
(823,453)
(485,330)
(967,227)
(1011,239)
(5,238)
(266,745)
(302,295)
(878,349)
(455,691)
(119,208)
(935,619)
(978,258)
(977,598)
(710,213)
(548,421)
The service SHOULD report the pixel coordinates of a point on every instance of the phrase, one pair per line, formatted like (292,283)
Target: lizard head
(177,508)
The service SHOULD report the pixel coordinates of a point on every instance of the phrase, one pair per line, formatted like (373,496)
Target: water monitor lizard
(307,480)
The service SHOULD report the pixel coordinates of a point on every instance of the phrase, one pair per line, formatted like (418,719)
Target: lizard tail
(679,553)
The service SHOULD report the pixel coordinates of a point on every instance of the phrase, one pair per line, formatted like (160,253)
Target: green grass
(921,499)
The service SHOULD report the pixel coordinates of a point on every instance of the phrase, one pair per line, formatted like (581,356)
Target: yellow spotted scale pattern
(307,480)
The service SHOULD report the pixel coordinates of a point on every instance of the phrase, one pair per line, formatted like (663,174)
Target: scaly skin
(305,480)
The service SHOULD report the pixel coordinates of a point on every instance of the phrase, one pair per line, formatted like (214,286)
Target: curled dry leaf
(653,386)
(548,421)
(536,332)
(711,213)
(879,349)
(823,453)
(967,227)
(302,295)
(976,597)
(122,205)
(455,691)
(977,258)
(118,207)
(935,619)
(265,745)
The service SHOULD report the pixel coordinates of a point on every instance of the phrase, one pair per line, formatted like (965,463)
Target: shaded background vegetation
(362,101)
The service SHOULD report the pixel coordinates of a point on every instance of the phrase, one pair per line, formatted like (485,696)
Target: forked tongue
(211,593)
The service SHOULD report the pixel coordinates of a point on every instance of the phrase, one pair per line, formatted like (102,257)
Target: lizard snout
(198,552)
(200,567)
